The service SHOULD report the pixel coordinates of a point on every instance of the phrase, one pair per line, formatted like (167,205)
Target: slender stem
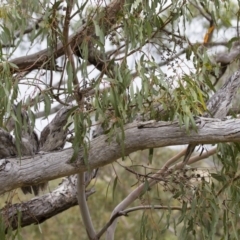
(81,196)
(133,209)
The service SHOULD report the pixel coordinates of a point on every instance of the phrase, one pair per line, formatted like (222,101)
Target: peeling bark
(16,173)
(39,209)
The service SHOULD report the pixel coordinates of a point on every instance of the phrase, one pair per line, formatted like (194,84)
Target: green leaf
(218,177)
(114,186)
(47,105)
(13,65)
(177,194)
(70,77)
(150,155)
(146,187)
(99,32)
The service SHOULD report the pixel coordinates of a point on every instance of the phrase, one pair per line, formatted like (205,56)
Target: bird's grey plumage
(7,145)
(29,143)
(54,135)
(219,104)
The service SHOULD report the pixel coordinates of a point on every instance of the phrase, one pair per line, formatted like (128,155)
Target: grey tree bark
(35,212)
(16,173)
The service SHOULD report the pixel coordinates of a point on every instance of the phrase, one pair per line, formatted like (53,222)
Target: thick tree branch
(86,31)
(138,136)
(35,212)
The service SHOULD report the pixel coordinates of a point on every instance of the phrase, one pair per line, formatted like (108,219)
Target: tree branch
(39,59)
(16,173)
(163,172)
(86,217)
(35,212)
(133,209)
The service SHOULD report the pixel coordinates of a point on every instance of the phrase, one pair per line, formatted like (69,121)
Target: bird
(29,141)
(54,135)
(7,146)
(218,105)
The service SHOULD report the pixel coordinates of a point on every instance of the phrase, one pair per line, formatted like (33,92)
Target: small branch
(52,111)
(29,29)
(198,158)
(84,210)
(87,221)
(146,207)
(87,30)
(19,33)
(200,10)
(163,172)
(69,52)
(228,183)
(174,159)
(149,207)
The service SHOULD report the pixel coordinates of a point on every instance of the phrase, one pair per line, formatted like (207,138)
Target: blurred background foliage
(189,185)
(68,225)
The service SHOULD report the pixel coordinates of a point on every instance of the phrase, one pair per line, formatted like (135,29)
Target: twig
(201,11)
(164,171)
(133,209)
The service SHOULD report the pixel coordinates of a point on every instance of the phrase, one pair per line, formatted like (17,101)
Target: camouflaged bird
(29,142)
(54,135)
